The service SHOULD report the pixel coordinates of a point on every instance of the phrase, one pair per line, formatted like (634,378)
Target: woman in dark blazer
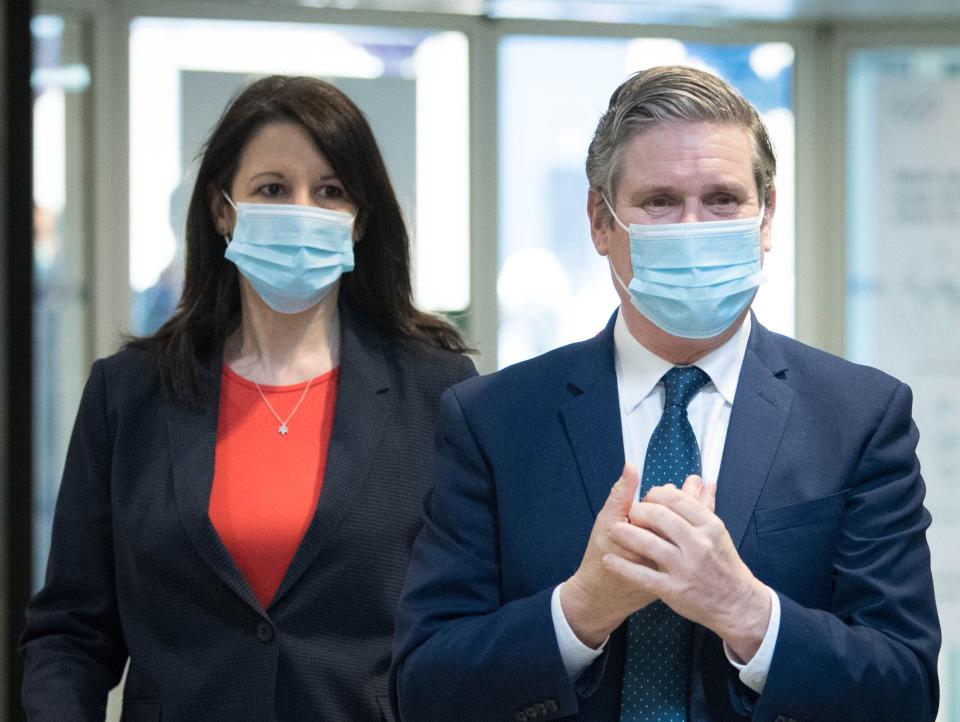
(242,488)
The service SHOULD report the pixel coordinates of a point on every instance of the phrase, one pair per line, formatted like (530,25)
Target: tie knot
(681,383)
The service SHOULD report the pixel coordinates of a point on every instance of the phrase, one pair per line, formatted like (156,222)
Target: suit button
(264,632)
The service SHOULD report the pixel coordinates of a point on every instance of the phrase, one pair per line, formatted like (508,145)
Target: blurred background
(484,110)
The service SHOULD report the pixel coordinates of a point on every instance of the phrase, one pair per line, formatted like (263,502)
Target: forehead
(282,145)
(687,155)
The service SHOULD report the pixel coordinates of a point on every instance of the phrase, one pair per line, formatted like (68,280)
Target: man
(797,587)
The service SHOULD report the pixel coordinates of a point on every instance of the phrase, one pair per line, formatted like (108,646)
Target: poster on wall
(903,309)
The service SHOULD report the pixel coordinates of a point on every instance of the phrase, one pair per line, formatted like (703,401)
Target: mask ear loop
(614,214)
(227,237)
(609,261)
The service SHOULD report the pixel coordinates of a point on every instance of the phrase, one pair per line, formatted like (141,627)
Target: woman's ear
(222,213)
(359,226)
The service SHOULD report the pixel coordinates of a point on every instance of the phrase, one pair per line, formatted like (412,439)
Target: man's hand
(596,599)
(692,566)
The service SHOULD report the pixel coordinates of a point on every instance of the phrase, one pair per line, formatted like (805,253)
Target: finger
(642,546)
(636,575)
(684,505)
(708,494)
(623,493)
(663,521)
(702,490)
(693,485)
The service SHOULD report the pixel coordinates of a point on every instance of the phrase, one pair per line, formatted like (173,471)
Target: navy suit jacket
(137,568)
(819,488)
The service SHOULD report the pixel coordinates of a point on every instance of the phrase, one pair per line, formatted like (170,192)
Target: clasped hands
(669,546)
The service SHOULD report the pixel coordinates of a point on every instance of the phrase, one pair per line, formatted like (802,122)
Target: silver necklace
(283,429)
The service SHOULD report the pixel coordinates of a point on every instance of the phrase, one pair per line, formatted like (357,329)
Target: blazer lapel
(757,421)
(592,417)
(364,403)
(193,437)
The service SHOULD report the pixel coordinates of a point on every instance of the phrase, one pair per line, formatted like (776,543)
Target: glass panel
(903,276)
(411,84)
(552,286)
(60,80)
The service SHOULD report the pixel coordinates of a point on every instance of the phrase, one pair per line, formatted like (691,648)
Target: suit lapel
(193,437)
(591,417)
(757,421)
(364,403)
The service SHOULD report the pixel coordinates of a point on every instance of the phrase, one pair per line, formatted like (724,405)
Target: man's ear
(600,225)
(766,227)
(224,217)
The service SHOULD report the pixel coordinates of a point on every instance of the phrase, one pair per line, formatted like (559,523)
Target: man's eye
(659,202)
(723,201)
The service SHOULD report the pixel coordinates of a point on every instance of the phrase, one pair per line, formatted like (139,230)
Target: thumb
(623,493)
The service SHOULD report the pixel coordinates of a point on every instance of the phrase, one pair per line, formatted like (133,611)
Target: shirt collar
(639,370)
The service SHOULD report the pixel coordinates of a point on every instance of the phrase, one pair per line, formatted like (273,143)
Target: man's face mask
(693,280)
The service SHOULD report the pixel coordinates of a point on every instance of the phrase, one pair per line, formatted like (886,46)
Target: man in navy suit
(687,517)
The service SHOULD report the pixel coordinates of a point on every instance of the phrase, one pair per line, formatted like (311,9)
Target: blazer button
(265,632)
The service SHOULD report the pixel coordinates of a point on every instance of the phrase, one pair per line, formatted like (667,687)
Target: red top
(266,485)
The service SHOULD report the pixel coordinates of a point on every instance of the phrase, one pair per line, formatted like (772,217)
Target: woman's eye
(271,190)
(332,192)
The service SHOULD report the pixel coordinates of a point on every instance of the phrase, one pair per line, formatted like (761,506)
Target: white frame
(819,97)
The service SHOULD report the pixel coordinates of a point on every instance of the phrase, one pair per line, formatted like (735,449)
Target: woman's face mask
(292,255)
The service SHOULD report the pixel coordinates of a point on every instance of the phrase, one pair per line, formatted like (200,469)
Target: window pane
(552,286)
(903,276)
(60,343)
(411,84)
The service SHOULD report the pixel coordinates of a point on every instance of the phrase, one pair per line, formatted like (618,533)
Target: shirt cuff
(754,673)
(575,654)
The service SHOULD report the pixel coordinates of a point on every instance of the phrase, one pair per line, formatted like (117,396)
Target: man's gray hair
(674,93)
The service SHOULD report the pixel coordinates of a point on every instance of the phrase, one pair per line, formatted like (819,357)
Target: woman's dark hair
(379,286)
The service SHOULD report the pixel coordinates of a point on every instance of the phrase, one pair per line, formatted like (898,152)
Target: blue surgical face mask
(291,255)
(693,280)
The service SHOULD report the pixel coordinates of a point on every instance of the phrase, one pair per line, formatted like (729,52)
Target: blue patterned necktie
(656,674)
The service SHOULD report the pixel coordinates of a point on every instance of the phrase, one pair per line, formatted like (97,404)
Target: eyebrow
(278,174)
(733,188)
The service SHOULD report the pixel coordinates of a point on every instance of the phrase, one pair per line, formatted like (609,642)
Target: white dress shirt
(641,404)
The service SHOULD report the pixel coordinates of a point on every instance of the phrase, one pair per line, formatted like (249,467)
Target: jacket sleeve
(73,646)
(872,656)
(460,650)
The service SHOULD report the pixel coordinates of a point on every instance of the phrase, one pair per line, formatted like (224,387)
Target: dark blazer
(137,569)
(819,487)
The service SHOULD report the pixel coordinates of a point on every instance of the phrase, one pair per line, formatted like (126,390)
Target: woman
(242,488)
